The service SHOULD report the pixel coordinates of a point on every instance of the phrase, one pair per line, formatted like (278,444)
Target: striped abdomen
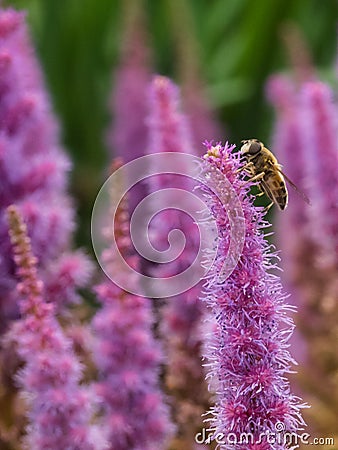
(273,185)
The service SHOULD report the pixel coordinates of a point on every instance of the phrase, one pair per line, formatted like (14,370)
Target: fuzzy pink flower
(59,409)
(247,354)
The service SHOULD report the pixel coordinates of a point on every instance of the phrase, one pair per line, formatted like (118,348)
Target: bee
(262,166)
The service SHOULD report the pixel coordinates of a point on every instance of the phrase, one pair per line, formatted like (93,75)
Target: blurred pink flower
(128,135)
(320,147)
(182,315)
(59,410)
(306,141)
(33,166)
(128,357)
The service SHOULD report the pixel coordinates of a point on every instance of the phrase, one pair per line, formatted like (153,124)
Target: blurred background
(233,46)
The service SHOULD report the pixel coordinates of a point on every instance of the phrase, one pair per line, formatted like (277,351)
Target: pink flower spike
(127,136)
(247,350)
(320,144)
(306,139)
(33,165)
(59,409)
(182,315)
(127,355)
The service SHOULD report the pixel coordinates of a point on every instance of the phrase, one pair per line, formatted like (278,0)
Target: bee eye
(255,147)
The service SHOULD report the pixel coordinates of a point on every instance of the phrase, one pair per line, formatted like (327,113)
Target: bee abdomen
(278,191)
(281,197)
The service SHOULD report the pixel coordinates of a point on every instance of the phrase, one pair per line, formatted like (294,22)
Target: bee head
(251,146)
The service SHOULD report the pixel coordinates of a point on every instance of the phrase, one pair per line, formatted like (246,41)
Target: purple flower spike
(31,161)
(182,315)
(127,137)
(247,353)
(306,139)
(291,226)
(306,142)
(168,132)
(33,166)
(168,126)
(128,357)
(287,143)
(60,411)
(320,143)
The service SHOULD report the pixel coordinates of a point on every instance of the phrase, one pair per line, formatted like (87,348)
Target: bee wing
(269,193)
(301,193)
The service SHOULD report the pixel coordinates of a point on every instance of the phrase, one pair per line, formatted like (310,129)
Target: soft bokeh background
(234,44)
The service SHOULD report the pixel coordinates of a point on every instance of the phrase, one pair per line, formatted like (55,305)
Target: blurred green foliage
(237,45)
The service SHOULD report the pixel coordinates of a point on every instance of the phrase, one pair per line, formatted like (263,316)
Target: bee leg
(260,194)
(246,166)
(255,178)
(266,209)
